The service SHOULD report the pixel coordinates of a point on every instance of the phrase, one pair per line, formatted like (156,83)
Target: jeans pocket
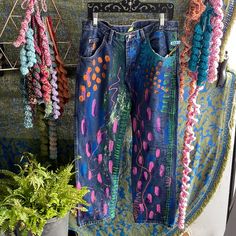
(92,42)
(159,43)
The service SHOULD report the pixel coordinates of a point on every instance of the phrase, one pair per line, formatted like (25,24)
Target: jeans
(127,73)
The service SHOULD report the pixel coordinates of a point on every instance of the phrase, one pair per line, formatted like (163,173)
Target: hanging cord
(218,26)
(193,14)
(197,62)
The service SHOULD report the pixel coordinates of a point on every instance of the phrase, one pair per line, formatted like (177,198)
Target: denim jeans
(127,72)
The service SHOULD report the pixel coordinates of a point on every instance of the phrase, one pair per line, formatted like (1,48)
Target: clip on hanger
(222,71)
(95,18)
(131,6)
(162,19)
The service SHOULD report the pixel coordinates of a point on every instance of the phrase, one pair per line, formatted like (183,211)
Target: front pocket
(91,47)
(159,44)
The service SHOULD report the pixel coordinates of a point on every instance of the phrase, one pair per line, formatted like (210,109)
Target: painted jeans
(127,73)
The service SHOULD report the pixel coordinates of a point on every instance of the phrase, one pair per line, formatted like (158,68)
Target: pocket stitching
(97,51)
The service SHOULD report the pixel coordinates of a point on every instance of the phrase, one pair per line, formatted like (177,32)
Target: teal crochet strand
(201,46)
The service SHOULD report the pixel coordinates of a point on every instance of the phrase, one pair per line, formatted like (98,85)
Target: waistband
(138,27)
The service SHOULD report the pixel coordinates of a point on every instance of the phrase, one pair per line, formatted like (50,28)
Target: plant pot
(54,227)
(57,227)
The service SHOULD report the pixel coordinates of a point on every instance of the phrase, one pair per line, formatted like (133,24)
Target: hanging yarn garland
(21,40)
(193,14)
(197,63)
(63,85)
(218,26)
(54,79)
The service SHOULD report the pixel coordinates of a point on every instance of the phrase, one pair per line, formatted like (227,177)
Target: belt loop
(110,36)
(142,33)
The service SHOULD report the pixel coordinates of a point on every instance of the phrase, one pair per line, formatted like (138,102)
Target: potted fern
(37,201)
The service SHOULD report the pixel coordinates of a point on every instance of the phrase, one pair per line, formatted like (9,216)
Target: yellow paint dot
(155,83)
(97,69)
(107,58)
(158,86)
(89,69)
(100,60)
(167,90)
(157,73)
(159,81)
(155,78)
(81,98)
(89,84)
(88,94)
(98,80)
(95,87)
(94,62)
(82,88)
(94,76)
(155,91)
(103,75)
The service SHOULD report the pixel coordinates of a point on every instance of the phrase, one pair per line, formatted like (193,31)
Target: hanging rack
(131,6)
(9,64)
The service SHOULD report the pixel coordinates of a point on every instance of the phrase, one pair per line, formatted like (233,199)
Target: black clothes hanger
(131,6)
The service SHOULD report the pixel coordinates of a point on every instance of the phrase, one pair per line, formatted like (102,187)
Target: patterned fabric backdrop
(212,131)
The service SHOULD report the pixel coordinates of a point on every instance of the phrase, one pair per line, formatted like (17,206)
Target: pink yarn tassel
(21,39)
(189,137)
(217,34)
(45,45)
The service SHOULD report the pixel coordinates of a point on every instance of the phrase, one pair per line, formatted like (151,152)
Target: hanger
(166,10)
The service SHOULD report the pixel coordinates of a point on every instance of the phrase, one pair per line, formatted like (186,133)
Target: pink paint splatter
(146,94)
(115,126)
(157,190)
(140,160)
(135,170)
(139,184)
(158,153)
(99,158)
(151,215)
(107,192)
(105,209)
(149,197)
(162,170)
(94,107)
(145,145)
(138,134)
(83,127)
(141,207)
(110,166)
(135,148)
(158,208)
(88,149)
(158,124)
(145,174)
(149,113)
(89,175)
(142,124)
(99,136)
(150,166)
(150,136)
(78,185)
(99,178)
(93,197)
(111,145)
(134,124)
